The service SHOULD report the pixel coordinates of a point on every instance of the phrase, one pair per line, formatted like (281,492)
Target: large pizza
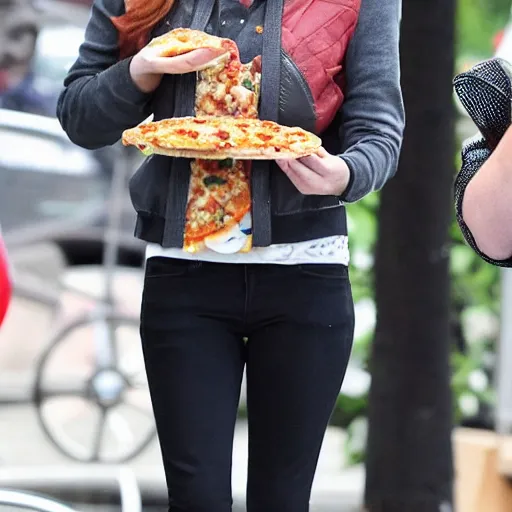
(218,138)
(223,137)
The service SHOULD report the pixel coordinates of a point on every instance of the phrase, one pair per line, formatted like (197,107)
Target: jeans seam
(246,301)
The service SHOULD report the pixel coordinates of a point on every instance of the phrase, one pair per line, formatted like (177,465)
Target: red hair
(136,24)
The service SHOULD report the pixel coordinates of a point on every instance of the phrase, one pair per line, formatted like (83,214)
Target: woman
(483,188)
(283,309)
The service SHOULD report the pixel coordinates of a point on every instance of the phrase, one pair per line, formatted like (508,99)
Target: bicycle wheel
(91,392)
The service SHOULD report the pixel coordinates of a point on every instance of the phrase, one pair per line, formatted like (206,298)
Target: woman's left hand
(319,174)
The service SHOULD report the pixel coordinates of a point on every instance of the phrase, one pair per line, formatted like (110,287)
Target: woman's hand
(147,68)
(320,174)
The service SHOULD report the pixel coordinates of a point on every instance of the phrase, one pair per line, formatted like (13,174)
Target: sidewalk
(28,460)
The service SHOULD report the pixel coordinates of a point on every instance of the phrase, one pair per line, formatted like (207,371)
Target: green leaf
(213,180)
(227,163)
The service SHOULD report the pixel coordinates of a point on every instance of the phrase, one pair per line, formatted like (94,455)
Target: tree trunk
(409,457)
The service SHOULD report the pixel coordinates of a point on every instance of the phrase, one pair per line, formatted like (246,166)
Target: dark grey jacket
(100,101)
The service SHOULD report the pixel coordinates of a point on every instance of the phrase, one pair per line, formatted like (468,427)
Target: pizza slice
(219,197)
(184,40)
(228,183)
(229,89)
(204,215)
(218,138)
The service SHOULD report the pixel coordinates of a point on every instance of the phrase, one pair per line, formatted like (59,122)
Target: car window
(56,51)
(45,178)
(26,152)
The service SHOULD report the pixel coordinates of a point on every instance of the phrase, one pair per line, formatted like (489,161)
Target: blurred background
(75,417)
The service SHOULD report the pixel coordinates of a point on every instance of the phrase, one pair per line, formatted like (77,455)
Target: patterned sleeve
(475,152)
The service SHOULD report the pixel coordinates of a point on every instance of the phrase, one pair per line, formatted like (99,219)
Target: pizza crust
(184,40)
(181,41)
(214,62)
(164,138)
(241,154)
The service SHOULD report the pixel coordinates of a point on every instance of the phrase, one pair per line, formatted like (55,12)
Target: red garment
(5,281)
(316,34)
(497,39)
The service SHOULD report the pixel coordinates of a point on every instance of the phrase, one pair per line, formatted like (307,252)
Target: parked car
(52,190)
(56,50)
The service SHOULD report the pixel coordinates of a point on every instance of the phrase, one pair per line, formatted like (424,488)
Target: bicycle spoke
(64,392)
(137,380)
(140,409)
(98,436)
(105,344)
(112,338)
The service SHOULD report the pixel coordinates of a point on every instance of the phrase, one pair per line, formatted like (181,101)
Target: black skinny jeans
(298,321)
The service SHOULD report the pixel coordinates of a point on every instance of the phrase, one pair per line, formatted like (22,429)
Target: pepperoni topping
(222,134)
(148,128)
(264,137)
(188,133)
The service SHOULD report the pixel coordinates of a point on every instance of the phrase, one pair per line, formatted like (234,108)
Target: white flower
(366,314)
(356,382)
(358,430)
(468,404)
(479,324)
(478,381)
(362,260)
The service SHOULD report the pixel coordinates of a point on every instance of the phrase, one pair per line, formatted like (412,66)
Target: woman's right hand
(147,68)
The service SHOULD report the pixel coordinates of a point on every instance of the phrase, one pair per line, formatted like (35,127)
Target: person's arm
(100,99)
(483,199)
(373,113)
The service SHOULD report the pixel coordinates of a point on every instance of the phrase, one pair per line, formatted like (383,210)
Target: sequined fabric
(486,93)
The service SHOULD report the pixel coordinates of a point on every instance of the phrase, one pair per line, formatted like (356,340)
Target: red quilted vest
(316,34)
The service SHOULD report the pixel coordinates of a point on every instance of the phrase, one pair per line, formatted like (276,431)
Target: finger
(307,166)
(314,163)
(188,62)
(307,182)
(322,152)
(284,163)
(291,163)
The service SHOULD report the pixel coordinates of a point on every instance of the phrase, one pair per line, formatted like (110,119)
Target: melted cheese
(218,94)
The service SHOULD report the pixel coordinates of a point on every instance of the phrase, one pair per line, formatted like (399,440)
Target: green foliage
(478,21)
(475,284)
(475,310)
